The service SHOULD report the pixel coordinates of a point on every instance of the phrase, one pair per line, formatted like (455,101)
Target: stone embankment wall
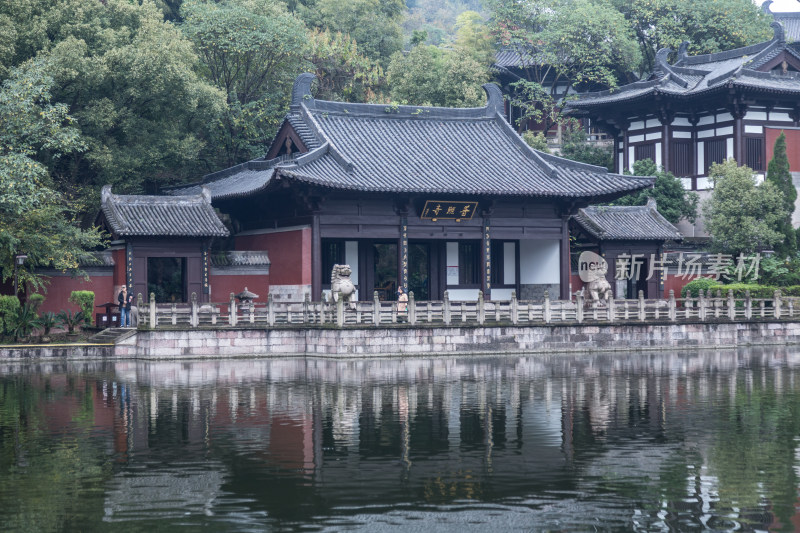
(368,342)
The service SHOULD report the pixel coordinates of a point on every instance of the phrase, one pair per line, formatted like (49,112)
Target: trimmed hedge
(84,300)
(739,289)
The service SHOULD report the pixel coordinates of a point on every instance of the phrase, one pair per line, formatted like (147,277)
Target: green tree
(343,73)
(576,147)
(708,25)
(741,216)
(474,37)
(252,50)
(131,83)
(376,25)
(778,174)
(581,43)
(428,75)
(674,202)
(34,218)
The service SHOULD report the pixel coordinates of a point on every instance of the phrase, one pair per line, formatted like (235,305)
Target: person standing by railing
(402,304)
(122,300)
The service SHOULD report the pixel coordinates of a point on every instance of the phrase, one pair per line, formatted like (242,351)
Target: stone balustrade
(706,307)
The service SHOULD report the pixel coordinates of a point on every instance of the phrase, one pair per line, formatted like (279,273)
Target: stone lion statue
(599,288)
(341,284)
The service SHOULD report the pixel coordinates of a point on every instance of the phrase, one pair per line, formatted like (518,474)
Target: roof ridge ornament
(494,100)
(683,51)
(666,68)
(765,7)
(301,91)
(778,33)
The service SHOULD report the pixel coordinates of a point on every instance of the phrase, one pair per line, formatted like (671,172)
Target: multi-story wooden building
(703,109)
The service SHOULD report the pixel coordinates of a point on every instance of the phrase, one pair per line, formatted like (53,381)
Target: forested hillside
(146,93)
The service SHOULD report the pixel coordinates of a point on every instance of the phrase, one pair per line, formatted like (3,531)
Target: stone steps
(112,335)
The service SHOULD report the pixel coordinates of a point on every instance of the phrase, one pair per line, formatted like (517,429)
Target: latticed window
(645,151)
(754,153)
(681,164)
(715,152)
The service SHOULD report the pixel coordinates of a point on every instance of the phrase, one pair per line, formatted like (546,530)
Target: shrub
(48,321)
(756,291)
(791,290)
(26,322)
(84,300)
(35,301)
(9,310)
(694,287)
(71,320)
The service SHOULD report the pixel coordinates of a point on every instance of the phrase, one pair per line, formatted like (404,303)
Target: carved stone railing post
(376,309)
(153,317)
(139,307)
(194,319)
(174,314)
(642,312)
(446,308)
(481,308)
(672,306)
(612,308)
(790,306)
(412,309)
(748,305)
(718,303)
(306,311)
(270,310)
(626,311)
(252,308)
(762,307)
(232,311)
(579,307)
(340,311)
(776,306)
(731,305)
(514,308)
(547,312)
(701,305)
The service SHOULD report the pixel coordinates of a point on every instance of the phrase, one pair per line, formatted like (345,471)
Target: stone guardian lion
(341,284)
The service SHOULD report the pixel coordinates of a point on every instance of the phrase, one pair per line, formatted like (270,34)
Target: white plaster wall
(463,295)
(351,258)
(539,262)
(501,294)
(452,261)
(509,263)
(658,155)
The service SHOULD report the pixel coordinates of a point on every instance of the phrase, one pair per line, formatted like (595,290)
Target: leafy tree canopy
(251,50)
(34,218)
(343,73)
(741,216)
(428,75)
(709,25)
(674,202)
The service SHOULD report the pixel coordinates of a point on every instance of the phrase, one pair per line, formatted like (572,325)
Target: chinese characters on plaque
(404,253)
(487,253)
(448,210)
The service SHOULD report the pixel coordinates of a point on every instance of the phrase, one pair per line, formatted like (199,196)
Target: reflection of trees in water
(683,434)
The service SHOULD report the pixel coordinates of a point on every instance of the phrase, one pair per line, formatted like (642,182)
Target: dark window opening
(754,153)
(716,152)
(469,261)
(497,263)
(332,254)
(682,159)
(166,278)
(644,151)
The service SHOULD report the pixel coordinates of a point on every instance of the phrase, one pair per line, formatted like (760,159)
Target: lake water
(644,442)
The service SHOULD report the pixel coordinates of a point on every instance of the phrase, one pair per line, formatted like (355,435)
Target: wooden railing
(706,307)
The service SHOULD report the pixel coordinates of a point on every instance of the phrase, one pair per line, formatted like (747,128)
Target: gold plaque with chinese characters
(448,210)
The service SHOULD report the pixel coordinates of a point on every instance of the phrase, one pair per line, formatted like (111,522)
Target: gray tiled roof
(416,149)
(694,75)
(176,216)
(789,20)
(627,223)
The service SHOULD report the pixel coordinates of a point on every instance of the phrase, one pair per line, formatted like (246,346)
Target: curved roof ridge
(625,88)
(506,128)
(724,55)
(663,66)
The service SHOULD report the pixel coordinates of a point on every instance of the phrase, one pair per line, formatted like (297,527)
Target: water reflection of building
(306,431)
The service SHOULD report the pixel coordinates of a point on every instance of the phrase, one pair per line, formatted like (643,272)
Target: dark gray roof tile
(627,223)
(177,216)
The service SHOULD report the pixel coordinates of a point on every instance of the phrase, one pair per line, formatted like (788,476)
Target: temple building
(704,109)
(431,199)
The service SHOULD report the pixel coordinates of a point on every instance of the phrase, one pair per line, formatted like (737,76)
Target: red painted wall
(222,286)
(676,283)
(60,287)
(289,254)
(792,146)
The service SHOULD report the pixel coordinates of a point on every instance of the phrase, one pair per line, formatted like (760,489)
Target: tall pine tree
(778,173)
